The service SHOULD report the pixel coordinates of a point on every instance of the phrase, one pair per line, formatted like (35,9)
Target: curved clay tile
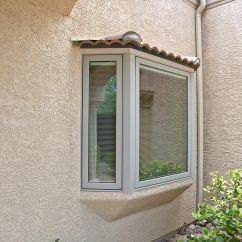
(132,39)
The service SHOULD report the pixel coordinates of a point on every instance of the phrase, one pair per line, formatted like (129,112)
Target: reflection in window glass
(163,135)
(102,122)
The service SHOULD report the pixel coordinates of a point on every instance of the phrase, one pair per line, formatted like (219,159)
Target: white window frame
(167,69)
(127,172)
(85,121)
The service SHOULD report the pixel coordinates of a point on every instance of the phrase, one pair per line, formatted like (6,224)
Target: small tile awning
(133,40)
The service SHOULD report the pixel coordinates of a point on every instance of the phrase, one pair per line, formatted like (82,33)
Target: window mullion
(128,122)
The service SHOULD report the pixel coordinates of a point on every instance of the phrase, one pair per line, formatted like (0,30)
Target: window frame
(85,183)
(159,180)
(128,168)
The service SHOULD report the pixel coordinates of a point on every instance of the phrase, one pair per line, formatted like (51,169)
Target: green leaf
(223,208)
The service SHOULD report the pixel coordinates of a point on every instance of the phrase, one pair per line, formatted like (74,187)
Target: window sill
(115,205)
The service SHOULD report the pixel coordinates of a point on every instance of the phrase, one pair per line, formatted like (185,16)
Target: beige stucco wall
(222,57)
(40,117)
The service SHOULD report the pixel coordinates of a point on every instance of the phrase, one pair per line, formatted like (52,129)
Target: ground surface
(182,234)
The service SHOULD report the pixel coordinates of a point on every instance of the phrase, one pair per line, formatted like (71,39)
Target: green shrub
(156,168)
(222,209)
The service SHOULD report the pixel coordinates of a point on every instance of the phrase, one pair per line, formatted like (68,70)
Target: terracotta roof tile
(133,40)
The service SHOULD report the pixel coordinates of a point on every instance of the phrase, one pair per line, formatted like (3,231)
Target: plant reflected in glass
(163,123)
(102,122)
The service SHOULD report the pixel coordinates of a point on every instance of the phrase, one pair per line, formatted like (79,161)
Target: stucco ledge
(115,205)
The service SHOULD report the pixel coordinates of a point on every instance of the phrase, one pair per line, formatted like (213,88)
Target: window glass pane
(102,122)
(163,121)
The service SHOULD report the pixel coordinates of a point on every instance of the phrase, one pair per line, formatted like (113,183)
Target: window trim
(85,184)
(159,180)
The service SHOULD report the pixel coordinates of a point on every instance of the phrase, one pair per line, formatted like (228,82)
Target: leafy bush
(156,168)
(109,104)
(222,209)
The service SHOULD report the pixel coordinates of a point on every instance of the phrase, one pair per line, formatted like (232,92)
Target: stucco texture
(40,117)
(222,59)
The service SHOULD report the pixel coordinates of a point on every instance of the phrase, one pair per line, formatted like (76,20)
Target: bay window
(137,121)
